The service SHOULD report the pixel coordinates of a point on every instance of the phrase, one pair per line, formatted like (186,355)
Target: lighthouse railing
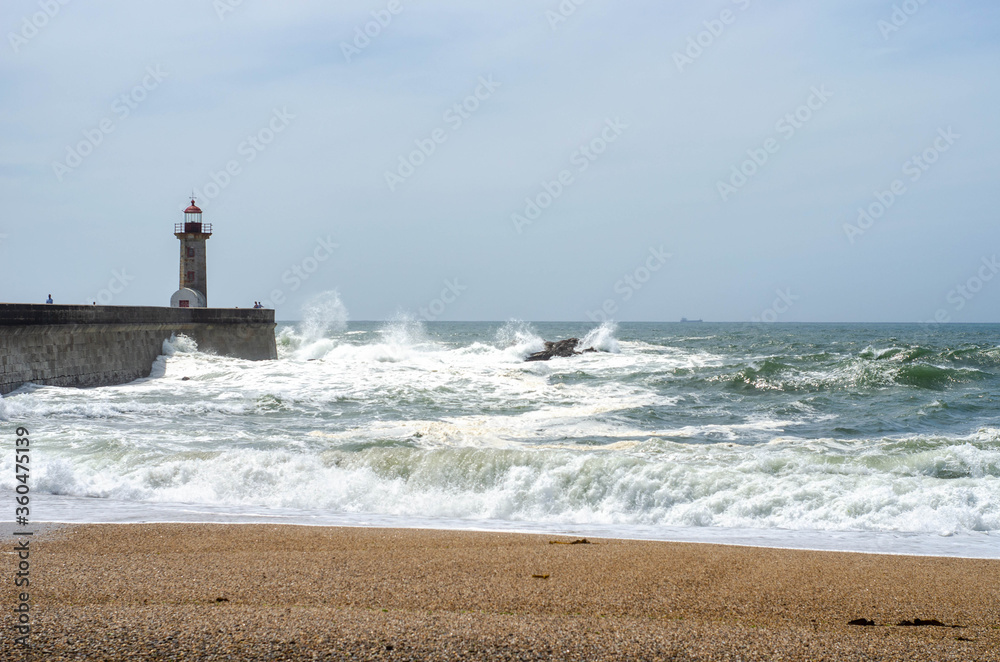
(192,228)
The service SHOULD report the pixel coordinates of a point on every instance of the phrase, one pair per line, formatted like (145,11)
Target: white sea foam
(652,483)
(601,338)
(179,344)
(518,339)
(322,315)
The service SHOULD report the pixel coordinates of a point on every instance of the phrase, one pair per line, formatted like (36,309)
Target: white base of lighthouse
(188,298)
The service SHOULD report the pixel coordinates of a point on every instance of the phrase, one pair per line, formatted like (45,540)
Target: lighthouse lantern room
(193,234)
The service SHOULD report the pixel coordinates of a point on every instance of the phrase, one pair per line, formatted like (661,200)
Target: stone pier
(104,345)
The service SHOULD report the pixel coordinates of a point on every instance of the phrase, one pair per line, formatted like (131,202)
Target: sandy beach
(263,592)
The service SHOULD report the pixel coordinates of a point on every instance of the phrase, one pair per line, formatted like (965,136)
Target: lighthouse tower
(193,234)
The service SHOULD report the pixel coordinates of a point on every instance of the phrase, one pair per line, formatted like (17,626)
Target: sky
(732,160)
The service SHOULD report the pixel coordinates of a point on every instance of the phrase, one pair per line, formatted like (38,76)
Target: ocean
(864,437)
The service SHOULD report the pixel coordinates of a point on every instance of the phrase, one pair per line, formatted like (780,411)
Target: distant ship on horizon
(684,319)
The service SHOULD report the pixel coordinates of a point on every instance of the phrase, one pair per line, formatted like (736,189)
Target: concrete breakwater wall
(105,345)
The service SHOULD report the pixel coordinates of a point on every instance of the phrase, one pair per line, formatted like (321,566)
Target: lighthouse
(193,234)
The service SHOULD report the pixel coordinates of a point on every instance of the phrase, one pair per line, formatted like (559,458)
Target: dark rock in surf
(558,348)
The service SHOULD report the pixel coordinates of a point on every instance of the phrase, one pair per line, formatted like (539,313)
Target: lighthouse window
(190,276)
(190,251)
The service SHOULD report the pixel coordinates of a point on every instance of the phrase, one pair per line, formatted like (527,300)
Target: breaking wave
(929,485)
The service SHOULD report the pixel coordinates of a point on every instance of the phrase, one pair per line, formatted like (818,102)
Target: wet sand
(265,592)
